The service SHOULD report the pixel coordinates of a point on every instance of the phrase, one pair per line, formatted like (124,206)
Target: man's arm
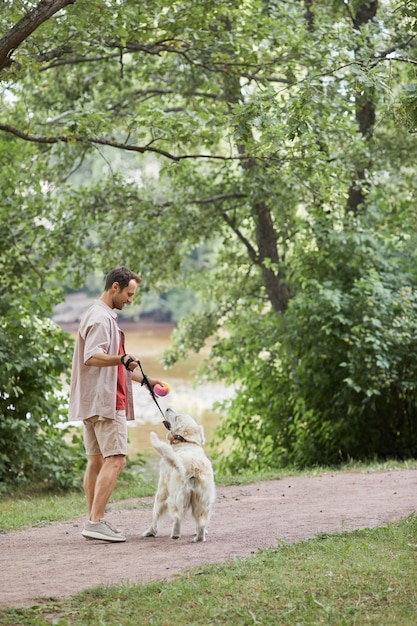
(101,359)
(137,377)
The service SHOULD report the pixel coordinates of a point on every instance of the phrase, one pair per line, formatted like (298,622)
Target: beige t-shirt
(93,389)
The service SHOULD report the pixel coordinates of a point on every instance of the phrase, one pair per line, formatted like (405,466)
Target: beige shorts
(107,437)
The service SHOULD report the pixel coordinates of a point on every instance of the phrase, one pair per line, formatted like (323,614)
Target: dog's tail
(166,453)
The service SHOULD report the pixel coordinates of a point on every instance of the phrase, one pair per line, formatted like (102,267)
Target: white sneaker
(102,530)
(113,528)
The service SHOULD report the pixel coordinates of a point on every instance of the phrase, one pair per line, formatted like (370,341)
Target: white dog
(186,476)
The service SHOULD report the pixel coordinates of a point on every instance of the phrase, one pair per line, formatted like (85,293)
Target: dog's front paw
(154,439)
(151,532)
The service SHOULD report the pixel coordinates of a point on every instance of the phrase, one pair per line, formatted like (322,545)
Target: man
(101,396)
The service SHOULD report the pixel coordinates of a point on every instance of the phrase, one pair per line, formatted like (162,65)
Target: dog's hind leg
(200,528)
(177,509)
(201,507)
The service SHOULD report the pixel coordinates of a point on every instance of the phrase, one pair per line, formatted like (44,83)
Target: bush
(335,377)
(35,356)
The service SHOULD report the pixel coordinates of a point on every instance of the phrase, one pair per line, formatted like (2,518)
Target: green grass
(34,507)
(357,578)
(366,577)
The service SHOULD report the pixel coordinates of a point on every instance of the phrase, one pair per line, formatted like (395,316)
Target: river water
(147,342)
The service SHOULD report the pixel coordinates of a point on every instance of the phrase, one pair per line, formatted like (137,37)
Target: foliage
(222,147)
(337,378)
(351,362)
(32,448)
(35,352)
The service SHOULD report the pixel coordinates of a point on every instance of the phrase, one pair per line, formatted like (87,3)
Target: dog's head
(182,427)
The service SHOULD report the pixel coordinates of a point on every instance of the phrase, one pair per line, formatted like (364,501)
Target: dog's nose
(167,424)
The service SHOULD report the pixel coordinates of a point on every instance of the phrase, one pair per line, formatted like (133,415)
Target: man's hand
(130,362)
(137,377)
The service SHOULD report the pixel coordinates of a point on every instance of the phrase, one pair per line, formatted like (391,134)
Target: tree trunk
(267,256)
(266,239)
(365,116)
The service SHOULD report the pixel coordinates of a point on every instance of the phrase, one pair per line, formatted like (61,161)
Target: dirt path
(56,561)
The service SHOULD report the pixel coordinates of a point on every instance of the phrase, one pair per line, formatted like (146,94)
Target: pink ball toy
(161,390)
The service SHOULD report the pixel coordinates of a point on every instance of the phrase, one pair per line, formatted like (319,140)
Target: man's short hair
(121,275)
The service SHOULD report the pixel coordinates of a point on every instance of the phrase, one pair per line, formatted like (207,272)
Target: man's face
(123,296)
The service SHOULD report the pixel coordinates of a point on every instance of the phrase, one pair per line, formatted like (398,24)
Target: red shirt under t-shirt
(121,383)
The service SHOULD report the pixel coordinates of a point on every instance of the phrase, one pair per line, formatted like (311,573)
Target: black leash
(146,382)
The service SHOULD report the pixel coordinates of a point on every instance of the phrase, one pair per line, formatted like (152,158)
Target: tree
(264,127)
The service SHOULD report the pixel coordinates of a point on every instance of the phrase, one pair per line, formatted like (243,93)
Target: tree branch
(111,143)
(401,46)
(253,255)
(26,26)
(220,197)
(392,59)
